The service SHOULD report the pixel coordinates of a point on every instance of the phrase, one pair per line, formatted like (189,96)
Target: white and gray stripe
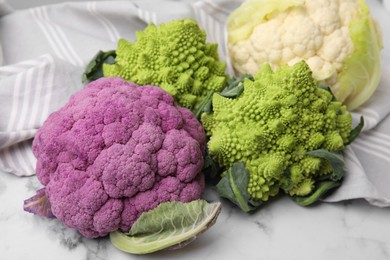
(56,36)
(374,143)
(147,16)
(112,32)
(9,70)
(18,159)
(212,18)
(27,113)
(371,117)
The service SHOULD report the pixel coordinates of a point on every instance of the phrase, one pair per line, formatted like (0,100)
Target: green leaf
(324,87)
(211,169)
(235,86)
(362,69)
(234,187)
(233,92)
(335,159)
(356,131)
(205,106)
(321,190)
(326,183)
(171,225)
(94,69)
(286,183)
(327,88)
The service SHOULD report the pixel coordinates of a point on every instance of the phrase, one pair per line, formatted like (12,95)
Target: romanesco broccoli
(273,125)
(174,56)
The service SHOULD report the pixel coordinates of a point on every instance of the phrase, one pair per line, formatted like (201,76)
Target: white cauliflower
(338,39)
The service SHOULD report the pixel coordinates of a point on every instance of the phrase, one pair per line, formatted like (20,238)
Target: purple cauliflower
(116,150)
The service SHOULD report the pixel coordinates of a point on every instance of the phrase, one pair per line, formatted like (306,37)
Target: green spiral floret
(277,119)
(315,140)
(223,148)
(303,188)
(174,56)
(310,164)
(333,141)
(296,174)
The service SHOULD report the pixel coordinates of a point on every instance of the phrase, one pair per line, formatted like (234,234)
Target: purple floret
(116,150)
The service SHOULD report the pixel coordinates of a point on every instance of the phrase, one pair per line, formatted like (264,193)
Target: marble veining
(67,237)
(263,227)
(353,230)
(33,184)
(280,230)
(96,250)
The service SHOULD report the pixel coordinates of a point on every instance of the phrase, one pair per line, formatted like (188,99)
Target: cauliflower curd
(338,39)
(116,150)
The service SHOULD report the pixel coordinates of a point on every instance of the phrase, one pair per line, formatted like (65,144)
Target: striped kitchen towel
(4,9)
(29,91)
(46,49)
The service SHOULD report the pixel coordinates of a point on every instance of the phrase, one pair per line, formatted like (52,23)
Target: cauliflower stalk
(173,56)
(114,151)
(339,40)
(282,131)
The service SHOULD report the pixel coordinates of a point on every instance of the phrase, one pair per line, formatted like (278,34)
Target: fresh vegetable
(171,225)
(39,204)
(94,69)
(288,132)
(339,40)
(116,150)
(174,56)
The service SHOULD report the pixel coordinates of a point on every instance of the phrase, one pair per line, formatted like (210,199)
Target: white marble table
(281,230)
